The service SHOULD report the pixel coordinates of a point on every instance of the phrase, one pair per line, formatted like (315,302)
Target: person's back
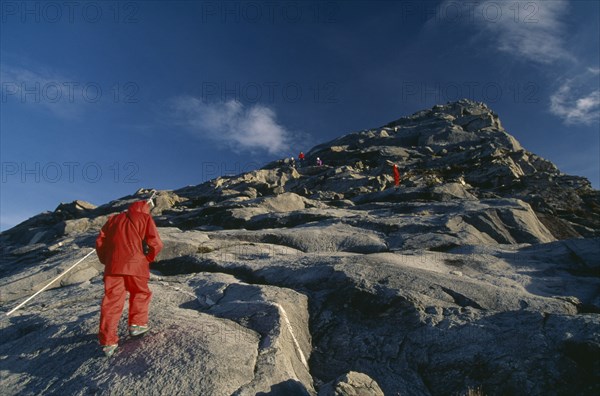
(126,245)
(120,244)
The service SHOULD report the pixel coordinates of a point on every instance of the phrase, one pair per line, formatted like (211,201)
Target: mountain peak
(454,122)
(459,108)
(459,147)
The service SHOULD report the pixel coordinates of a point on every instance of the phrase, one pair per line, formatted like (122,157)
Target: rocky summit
(479,274)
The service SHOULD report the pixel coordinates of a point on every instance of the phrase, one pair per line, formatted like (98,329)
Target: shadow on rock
(46,360)
(287,388)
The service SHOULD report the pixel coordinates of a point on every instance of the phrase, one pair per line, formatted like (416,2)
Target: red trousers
(115,290)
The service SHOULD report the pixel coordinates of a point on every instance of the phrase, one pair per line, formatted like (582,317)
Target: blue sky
(100,98)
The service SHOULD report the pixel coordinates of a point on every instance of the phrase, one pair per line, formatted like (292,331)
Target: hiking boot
(109,350)
(137,330)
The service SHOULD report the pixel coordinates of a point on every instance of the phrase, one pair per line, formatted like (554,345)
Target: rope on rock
(48,285)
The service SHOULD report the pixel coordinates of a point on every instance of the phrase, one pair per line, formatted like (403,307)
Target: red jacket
(120,245)
(396,175)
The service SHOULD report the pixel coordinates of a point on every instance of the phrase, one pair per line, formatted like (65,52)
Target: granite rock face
(352,384)
(482,271)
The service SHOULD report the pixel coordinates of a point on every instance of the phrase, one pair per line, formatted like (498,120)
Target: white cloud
(594,70)
(42,90)
(532,30)
(536,32)
(575,107)
(253,128)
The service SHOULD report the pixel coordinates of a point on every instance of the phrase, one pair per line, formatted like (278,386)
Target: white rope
(48,285)
(289,326)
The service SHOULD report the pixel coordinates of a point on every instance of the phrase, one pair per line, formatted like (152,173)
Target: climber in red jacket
(127,244)
(396,176)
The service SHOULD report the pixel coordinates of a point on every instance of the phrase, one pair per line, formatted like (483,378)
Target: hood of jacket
(139,206)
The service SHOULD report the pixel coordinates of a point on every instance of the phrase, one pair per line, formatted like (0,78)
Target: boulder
(351,384)
(279,315)
(450,192)
(178,243)
(286,202)
(315,238)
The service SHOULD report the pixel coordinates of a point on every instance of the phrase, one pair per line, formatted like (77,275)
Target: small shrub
(204,249)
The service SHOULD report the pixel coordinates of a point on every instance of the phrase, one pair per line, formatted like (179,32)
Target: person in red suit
(126,245)
(301,159)
(396,176)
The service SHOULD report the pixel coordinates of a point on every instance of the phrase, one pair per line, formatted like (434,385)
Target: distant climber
(292,162)
(301,159)
(396,173)
(319,162)
(126,245)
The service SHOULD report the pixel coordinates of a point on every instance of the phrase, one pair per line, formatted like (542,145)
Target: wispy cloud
(536,32)
(241,128)
(44,90)
(575,107)
(532,30)
(594,70)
